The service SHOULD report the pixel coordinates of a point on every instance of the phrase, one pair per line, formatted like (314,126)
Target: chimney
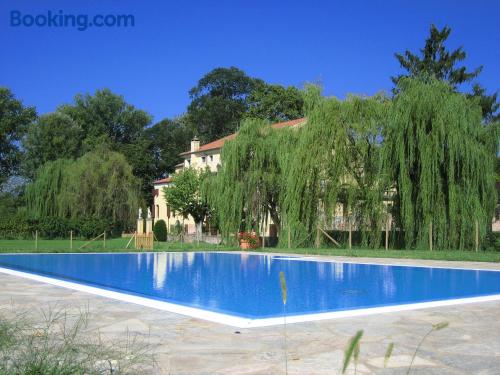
(195,144)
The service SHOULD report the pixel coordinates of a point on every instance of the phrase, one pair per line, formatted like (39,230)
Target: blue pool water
(248,285)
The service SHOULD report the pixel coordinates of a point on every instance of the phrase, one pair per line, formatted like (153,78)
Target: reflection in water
(248,285)
(337,271)
(388,283)
(160,270)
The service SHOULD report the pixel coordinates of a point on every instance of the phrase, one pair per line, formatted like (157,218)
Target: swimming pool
(243,289)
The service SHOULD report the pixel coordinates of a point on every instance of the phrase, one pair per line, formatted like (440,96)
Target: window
(157,211)
(211,158)
(203,159)
(189,162)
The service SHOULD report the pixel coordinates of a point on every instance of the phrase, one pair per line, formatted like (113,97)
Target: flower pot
(245,245)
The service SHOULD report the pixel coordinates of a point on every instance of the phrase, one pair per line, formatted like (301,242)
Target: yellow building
(199,157)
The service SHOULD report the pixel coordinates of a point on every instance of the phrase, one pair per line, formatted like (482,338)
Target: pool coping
(240,322)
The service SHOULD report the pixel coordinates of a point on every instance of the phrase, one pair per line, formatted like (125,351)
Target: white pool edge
(234,321)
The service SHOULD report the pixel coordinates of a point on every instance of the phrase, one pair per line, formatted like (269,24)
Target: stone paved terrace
(183,345)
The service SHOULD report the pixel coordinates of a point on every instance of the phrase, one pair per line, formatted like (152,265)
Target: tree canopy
(219,102)
(100,184)
(167,139)
(441,160)
(275,103)
(248,187)
(51,137)
(14,121)
(439,63)
(436,61)
(185,195)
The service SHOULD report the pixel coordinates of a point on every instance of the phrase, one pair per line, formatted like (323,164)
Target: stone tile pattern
(183,345)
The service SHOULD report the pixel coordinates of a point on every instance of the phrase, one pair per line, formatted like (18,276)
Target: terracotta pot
(245,245)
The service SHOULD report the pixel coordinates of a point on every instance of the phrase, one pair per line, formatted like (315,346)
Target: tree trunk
(199,231)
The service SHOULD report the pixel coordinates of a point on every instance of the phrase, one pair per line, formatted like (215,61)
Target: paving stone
(183,345)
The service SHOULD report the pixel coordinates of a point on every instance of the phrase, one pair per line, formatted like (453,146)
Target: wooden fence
(144,241)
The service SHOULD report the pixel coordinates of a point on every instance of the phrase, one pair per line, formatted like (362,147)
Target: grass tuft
(61,345)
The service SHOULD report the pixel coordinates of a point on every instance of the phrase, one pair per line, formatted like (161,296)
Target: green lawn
(119,245)
(112,245)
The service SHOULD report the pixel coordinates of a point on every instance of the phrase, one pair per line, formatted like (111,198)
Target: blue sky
(347,46)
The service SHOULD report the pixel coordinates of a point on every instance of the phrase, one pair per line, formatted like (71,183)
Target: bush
(90,227)
(160,230)
(23,227)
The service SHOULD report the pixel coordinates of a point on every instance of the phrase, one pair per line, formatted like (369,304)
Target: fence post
(477,236)
(289,238)
(387,233)
(350,234)
(104,240)
(71,240)
(36,239)
(430,235)
(318,238)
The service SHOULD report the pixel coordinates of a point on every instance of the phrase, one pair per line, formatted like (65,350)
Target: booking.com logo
(79,21)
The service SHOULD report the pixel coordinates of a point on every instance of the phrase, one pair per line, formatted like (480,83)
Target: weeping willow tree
(247,190)
(334,168)
(439,156)
(43,195)
(100,184)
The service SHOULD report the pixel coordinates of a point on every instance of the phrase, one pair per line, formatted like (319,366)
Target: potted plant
(248,240)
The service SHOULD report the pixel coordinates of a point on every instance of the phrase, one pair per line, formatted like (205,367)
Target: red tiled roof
(220,142)
(162,181)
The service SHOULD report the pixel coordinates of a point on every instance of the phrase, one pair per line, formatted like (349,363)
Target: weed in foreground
(61,345)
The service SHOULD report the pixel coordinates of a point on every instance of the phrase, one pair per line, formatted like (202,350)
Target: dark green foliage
(160,230)
(21,226)
(439,63)
(53,136)
(436,61)
(219,101)
(167,139)
(90,123)
(488,103)
(440,156)
(275,103)
(14,121)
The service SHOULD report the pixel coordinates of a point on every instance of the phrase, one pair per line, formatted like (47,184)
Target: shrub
(160,230)
(90,227)
(54,227)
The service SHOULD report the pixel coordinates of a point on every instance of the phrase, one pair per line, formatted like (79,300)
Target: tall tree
(488,103)
(100,184)
(106,119)
(14,121)
(248,188)
(334,168)
(51,137)
(185,196)
(275,103)
(441,159)
(437,62)
(167,139)
(219,101)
